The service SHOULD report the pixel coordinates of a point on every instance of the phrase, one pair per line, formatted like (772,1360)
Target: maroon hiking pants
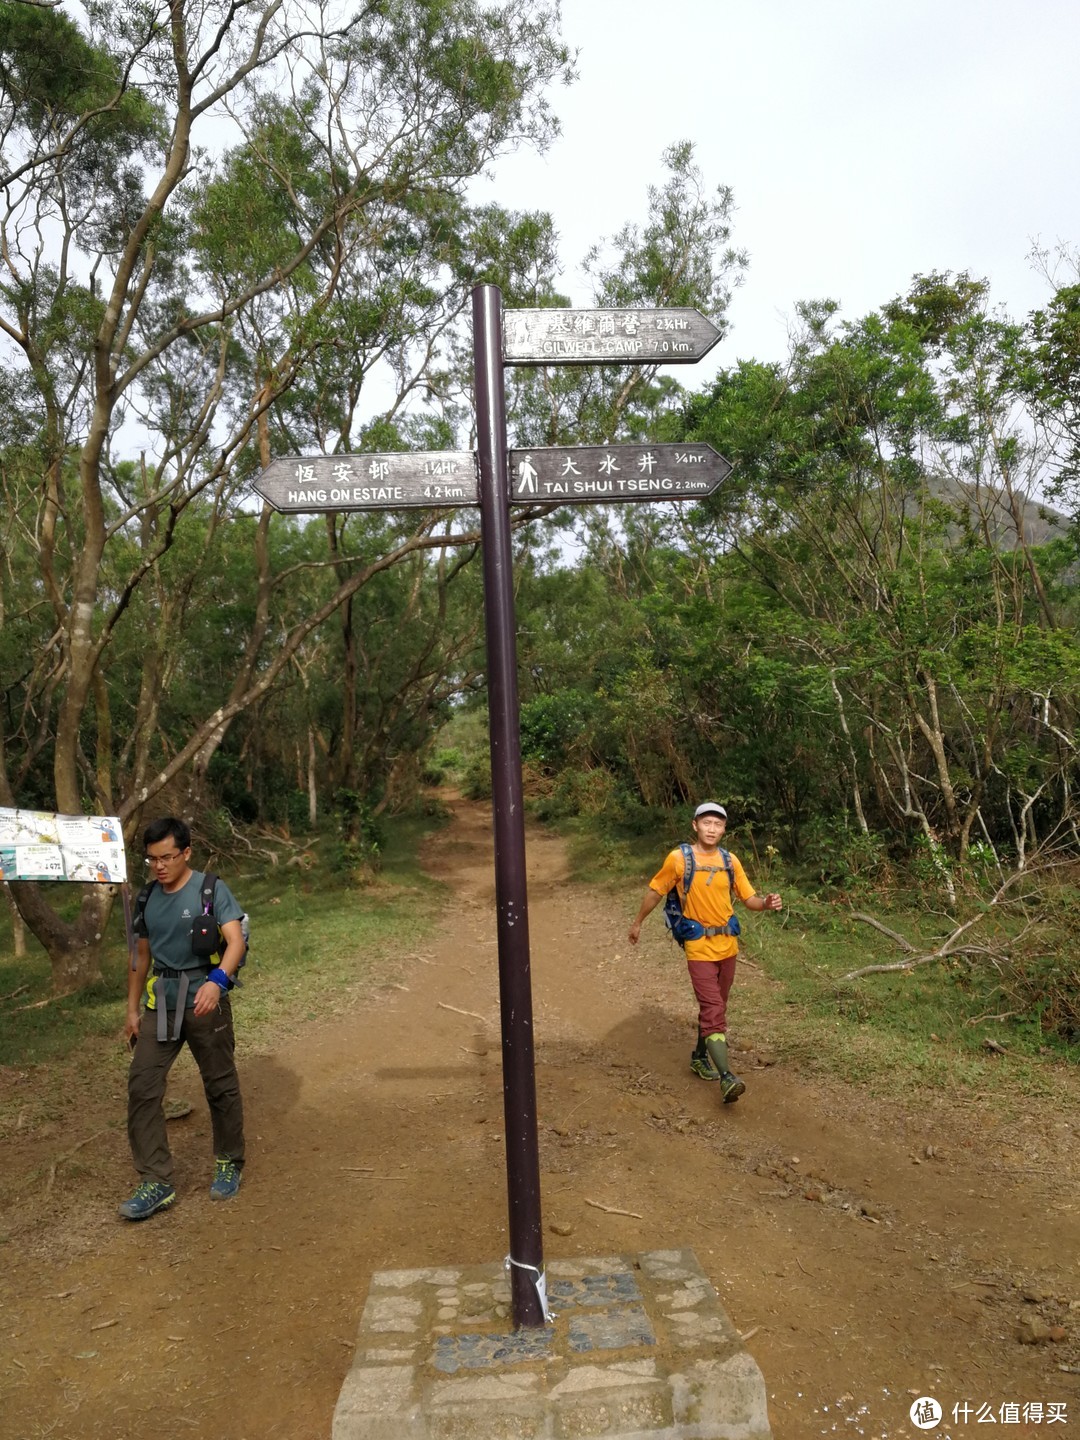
(712,981)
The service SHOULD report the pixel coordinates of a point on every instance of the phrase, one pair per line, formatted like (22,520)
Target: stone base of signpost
(640,1349)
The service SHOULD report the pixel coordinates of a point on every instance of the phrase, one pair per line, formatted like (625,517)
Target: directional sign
(370,482)
(611,337)
(567,475)
(587,474)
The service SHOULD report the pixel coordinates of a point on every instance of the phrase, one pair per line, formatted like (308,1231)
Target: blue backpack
(681,926)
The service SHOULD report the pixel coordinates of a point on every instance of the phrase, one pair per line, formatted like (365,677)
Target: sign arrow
(591,474)
(426,479)
(611,337)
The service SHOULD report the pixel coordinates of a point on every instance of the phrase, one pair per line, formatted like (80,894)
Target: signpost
(566,475)
(526,1257)
(607,337)
(495,478)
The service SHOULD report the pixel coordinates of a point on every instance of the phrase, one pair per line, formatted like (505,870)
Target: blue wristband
(218,976)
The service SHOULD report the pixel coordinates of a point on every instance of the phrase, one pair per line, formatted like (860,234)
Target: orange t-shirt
(710,901)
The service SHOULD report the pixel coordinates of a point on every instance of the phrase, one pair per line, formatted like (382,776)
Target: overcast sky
(865,141)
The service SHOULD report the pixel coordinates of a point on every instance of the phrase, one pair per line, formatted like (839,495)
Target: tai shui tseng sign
(585,474)
(564,475)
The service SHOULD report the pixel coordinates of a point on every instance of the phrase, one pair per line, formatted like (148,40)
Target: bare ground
(868,1251)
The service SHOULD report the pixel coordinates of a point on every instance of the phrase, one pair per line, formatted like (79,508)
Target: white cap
(710,807)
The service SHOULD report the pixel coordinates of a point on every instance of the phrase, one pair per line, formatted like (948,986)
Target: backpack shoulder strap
(138,921)
(726,861)
(206,895)
(689,868)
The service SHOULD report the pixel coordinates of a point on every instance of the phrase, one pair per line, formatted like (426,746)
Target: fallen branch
(68,1154)
(891,969)
(12,993)
(949,948)
(613,1210)
(471,1013)
(892,934)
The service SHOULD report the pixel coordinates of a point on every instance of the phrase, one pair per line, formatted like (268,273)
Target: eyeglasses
(152,860)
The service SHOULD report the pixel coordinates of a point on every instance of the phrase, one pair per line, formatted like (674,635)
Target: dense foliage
(867,640)
(218,223)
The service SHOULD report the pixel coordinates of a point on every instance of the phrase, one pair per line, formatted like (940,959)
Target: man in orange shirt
(710,957)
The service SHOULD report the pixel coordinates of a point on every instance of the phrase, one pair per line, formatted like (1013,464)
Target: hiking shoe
(150,1196)
(703,1067)
(731,1087)
(226,1180)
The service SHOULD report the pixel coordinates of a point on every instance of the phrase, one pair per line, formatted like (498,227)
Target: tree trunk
(18,928)
(313,790)
(74,950)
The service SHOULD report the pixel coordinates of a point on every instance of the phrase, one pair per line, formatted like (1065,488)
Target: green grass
(923,1027)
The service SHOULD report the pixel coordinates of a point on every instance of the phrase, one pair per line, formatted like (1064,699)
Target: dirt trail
(869,1252)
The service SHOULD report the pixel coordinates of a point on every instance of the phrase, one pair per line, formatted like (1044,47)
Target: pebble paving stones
(639,1346)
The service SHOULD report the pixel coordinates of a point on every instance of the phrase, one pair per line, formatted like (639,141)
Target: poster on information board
(37,845)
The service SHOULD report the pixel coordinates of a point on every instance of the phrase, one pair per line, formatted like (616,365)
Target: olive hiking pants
(210,1039)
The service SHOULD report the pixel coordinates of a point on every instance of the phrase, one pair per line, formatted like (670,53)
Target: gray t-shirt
(168,920)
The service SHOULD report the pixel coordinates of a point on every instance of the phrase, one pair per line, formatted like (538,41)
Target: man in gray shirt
(187,1000)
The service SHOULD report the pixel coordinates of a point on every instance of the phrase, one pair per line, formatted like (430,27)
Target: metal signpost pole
(496,478)
(511,902)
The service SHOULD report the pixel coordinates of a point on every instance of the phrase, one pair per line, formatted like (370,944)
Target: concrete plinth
(640,1349)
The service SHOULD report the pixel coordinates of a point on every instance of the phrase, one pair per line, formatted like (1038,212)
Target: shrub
(359,848)
(842,855)
(550,724)
(476,781)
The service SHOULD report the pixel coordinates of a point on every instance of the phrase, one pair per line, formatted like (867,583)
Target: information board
(40,845)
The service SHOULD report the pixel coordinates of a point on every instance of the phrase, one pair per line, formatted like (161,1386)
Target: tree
(865,637)
(680,257)
(883,498)
(1049,371)
(158,301)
